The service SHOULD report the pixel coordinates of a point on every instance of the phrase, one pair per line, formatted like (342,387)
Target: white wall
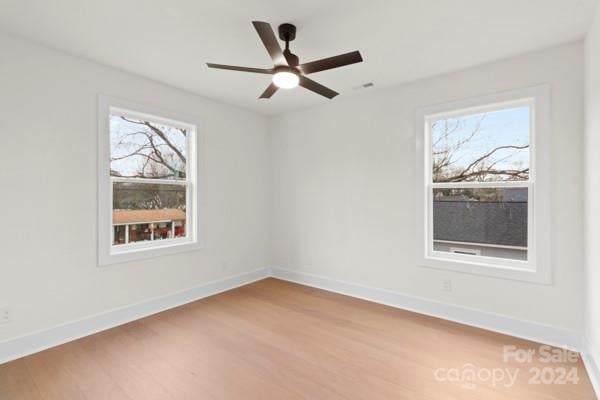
(343,178)
(48,272)
(592,187)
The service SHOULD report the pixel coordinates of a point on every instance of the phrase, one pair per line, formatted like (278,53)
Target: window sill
(135,253)
(512,270)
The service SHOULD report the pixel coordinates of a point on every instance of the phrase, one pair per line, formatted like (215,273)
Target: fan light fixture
(286,80)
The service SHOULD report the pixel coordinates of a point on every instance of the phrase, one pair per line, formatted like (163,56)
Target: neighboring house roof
(515,194)
(499,223)
(120,217)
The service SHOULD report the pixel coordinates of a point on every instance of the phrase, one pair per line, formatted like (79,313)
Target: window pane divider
(150,181)
(467,185)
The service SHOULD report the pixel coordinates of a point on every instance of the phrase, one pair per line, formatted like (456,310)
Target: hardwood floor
(277,340)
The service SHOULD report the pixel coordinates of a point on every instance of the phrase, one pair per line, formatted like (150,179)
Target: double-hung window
(482,186)
(147,183)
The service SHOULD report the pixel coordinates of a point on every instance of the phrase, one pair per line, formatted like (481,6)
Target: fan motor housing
(287,32)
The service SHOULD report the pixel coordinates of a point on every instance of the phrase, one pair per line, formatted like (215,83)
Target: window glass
(479,178)
(145,149)
(148,211)
(492,221)
(148,170)
(481,147)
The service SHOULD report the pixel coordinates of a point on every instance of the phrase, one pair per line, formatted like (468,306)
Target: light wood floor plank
(142,348)
(17,383)
(122,365)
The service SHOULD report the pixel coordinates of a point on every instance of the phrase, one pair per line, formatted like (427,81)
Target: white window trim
(537,268)
(108,254)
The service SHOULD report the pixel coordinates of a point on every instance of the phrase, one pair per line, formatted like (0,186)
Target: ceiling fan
(287,71)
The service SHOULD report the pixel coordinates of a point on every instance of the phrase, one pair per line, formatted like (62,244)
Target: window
(147,178)
(482,165)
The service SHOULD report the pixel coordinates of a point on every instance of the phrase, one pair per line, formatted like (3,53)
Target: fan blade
(317,87)
(269,39)
(331,62)
(269,91)
(243,69)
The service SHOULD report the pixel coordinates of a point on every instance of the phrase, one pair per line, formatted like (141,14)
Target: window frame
(537,268)
(108,253)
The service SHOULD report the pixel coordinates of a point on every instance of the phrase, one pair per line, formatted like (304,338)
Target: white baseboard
(592,365)
(38,341)
(480,319)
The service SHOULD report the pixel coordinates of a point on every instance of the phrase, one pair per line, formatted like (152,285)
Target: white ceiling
(400,40)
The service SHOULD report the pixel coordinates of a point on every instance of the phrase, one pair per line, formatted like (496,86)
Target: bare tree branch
(448,153)
(160,134)
(156,164)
